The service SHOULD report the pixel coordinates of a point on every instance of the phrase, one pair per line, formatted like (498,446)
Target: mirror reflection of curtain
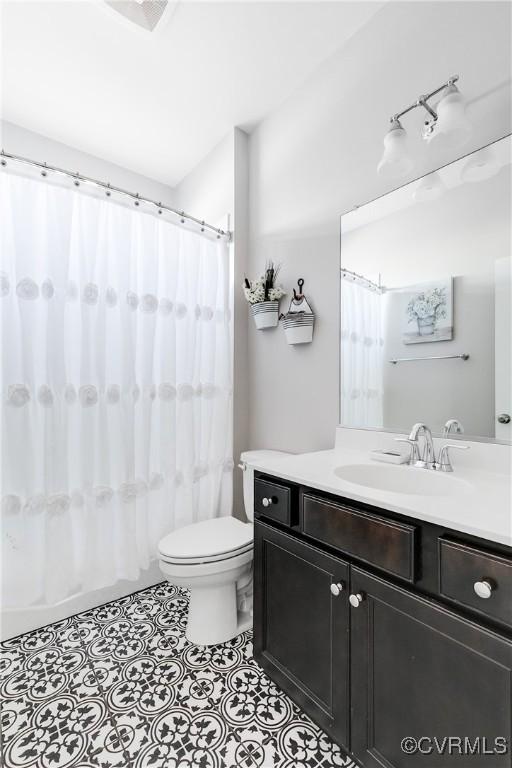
(361,355)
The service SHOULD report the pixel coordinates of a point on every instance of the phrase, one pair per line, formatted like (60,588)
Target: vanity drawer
(461,567)
(383,543)
(272,501)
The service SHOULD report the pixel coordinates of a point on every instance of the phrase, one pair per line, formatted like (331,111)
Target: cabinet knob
(483,588)
(503,418)
(267,502)
(355,600)
(336,589)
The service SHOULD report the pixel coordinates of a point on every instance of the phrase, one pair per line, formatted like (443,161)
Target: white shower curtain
(361,355)
(116,386)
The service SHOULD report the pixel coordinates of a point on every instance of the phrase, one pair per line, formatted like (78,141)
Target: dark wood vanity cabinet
(420,670)
(301,634)
(387,657)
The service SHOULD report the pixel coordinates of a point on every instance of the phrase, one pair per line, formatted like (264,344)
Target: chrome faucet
(453,425)
(414,455)
(444,464)
(427,457)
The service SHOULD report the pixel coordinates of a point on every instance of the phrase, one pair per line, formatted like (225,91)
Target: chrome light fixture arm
(422,101)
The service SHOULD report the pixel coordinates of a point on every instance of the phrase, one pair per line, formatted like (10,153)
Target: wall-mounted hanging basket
(265,314)
(299,321)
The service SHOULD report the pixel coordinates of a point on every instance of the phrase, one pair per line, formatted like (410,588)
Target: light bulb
(429,188)
(396,160)
(452,127)
(481,165)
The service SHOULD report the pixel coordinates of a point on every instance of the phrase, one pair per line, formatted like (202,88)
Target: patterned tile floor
(120,687)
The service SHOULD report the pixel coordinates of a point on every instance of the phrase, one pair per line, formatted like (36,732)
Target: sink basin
(411,481)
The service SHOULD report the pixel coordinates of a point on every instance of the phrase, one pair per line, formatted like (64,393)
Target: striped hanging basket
(299,321)
(265,314)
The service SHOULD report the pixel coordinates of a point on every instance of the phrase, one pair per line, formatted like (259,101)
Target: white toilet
(213,559)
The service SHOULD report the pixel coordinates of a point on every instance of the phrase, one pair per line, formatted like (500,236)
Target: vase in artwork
(426,325)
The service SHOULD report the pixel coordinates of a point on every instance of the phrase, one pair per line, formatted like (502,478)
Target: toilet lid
(207,540)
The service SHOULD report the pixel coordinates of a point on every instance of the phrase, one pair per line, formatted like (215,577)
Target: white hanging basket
(299,321)
(265,314)
(298,327)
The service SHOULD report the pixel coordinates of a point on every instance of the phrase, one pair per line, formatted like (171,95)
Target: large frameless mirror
(425,302)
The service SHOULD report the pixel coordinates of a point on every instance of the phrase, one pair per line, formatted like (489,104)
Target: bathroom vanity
(383,625)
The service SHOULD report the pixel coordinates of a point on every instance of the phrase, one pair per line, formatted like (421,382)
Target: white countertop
(482,507)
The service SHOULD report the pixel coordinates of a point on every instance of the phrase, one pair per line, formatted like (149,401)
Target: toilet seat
(204,558)
(207,542)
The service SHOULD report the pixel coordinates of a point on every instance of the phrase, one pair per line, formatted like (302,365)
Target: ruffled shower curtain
(361,355)
(116,387)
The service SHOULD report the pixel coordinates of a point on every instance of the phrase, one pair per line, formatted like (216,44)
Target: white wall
(216,187)
(19,141)
(315,158)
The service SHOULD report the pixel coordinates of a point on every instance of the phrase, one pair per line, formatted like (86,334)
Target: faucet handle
(415,454)
(444,464)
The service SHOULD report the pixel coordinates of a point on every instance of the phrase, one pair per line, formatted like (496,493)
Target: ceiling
(157,103)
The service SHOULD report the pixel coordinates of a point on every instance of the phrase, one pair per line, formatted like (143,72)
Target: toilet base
(216,612)
(213,617)
(245,622)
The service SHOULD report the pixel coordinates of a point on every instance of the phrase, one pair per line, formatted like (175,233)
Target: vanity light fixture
(451,126)
(447,122)
(396,160)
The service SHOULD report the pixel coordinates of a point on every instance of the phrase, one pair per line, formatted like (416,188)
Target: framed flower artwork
(429,312)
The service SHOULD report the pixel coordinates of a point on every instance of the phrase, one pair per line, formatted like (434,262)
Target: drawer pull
(355,600)
(267,502)
(336,589)
(483,588)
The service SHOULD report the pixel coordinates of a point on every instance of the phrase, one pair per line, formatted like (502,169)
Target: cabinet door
(301,630)
(419,670)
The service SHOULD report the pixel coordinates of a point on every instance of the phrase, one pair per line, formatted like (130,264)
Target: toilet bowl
(213,559)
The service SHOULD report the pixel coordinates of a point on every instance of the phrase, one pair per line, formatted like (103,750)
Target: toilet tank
(253,457)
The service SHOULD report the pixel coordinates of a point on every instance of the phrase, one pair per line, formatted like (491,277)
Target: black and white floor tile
(121,687)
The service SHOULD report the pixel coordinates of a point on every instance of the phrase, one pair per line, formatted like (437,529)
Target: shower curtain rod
(361,279)
(109,188)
